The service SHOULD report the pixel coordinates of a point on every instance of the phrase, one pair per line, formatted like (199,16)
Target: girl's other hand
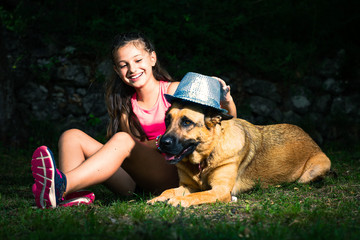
(225,90)
(226,100)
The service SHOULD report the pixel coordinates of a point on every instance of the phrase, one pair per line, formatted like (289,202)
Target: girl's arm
(172,88)
(226,100)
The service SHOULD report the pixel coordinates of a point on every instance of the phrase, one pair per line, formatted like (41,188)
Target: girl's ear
(153,58)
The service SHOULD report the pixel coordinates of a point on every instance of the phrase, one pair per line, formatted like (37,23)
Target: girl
(136,106)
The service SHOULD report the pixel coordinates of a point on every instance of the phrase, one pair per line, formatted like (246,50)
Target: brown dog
(217,158)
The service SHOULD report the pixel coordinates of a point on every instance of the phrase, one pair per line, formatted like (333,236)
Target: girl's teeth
(136,76)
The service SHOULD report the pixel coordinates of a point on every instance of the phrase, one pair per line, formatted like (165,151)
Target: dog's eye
(185,122)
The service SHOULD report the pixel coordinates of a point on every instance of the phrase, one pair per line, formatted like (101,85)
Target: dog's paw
(180,201)
(157,199)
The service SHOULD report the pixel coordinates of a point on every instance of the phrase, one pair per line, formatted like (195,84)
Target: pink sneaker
(78,198)
(50,183)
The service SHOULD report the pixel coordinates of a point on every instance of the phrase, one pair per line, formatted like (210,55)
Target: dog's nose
(166,142)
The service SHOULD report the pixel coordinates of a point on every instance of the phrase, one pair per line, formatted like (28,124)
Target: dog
(218,157)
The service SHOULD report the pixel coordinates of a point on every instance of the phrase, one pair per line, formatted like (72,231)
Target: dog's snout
(166,141)
(170,144)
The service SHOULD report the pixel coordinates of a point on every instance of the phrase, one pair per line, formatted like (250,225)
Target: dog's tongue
(169,157)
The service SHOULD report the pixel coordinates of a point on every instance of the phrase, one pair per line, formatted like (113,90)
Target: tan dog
(217,158)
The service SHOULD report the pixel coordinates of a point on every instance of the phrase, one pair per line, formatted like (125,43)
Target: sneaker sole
(43,170)
(81,197)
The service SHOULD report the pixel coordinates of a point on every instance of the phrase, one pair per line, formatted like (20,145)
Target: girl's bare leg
(121,182)
(75,147)
(150,170)
(87,162)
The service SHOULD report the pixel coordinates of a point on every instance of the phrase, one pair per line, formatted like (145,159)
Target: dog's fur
(218,158)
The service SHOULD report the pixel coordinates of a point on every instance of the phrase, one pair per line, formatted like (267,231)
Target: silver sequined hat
(200,89)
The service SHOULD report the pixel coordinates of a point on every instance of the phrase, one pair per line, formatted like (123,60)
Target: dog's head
(190,129)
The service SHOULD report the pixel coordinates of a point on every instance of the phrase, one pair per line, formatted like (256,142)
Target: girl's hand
(226,100)
(225,91)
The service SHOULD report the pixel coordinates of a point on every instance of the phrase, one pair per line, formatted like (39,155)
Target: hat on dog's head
(199,89)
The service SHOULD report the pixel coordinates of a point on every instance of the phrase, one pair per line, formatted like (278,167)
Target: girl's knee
(70,135)
(123,138)
(123,141)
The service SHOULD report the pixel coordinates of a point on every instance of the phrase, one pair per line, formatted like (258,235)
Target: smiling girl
(129,159)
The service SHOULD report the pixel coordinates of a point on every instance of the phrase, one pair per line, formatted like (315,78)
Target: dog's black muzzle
(175,149)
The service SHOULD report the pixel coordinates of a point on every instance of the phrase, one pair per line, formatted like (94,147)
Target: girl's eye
(122,66)
(139,60)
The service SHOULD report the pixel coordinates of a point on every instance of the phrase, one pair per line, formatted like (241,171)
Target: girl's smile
(136,77)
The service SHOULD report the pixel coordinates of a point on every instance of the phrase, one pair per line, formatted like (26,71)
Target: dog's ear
(213,117)
(212,120)
(225,116)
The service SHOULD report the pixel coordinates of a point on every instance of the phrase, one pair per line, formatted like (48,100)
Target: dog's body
(218,158)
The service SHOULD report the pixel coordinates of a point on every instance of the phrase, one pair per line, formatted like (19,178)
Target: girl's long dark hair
(118,94)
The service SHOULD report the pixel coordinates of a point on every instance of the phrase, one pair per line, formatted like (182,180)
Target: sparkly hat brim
(171,99)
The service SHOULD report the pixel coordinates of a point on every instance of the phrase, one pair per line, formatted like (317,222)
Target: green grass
(323,210)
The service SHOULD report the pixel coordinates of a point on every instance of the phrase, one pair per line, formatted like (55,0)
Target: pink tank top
(153,120)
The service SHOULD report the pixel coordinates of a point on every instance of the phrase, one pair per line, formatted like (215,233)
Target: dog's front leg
(221,181)
(170,193)
(221,193)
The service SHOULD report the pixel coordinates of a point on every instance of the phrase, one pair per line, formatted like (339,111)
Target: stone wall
(64,89)
(319,104)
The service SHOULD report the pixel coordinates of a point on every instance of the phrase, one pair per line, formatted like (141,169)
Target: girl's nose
(131,68)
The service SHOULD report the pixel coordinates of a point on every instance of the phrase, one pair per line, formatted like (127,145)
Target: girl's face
(134,64)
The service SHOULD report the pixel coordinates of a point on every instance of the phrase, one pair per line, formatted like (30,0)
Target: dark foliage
(281,40)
